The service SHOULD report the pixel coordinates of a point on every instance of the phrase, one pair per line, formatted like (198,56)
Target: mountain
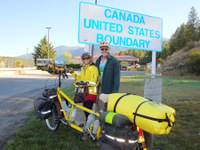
(165,39)
(60,50)
(29,55)
(75,51)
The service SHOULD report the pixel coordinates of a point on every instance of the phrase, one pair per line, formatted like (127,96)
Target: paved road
(131,73)
(17,94)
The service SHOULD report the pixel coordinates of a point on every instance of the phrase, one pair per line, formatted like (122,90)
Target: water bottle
(64,105)
(95,127)
(73,115)
(101,111)
(89,121)
(68,109)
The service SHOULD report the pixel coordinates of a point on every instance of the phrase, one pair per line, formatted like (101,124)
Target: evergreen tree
(192,26)
(41,51)
(165,50)
(178,39)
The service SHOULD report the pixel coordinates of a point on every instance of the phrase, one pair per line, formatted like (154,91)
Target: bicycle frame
(68,119)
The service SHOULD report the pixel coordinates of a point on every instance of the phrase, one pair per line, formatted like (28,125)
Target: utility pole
(92,50)
(48,28)
(27,56)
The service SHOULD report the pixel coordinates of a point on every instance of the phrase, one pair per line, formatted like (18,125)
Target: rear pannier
(43,105)
(118,133)
(44,110)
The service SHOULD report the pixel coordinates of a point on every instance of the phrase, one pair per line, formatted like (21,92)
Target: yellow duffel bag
(150,116)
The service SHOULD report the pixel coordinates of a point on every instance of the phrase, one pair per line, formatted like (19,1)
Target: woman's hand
(71,70)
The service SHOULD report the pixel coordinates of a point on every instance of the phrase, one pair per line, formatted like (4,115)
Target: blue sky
(23,22)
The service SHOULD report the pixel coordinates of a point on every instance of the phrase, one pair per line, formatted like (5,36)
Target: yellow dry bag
(150,116)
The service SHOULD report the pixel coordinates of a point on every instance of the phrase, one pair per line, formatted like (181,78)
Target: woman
(89,74)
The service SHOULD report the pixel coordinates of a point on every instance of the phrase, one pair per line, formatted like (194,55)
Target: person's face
(104,51)
(86,60)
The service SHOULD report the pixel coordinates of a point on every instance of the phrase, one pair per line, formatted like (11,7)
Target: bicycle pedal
(81,125)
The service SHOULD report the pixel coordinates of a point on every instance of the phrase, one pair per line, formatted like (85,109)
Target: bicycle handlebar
(81,84)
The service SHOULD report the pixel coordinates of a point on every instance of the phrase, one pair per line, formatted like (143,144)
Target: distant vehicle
(137,66)
(123,68)
(42,62)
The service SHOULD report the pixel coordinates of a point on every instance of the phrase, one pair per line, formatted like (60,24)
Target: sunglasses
(104,49)
(86,58)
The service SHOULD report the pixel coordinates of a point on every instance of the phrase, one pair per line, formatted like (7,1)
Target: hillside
(170,66)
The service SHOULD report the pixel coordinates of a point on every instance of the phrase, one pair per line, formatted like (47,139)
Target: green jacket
(111,75)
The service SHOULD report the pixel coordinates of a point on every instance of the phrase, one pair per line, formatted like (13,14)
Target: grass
(179,93)
(183,95)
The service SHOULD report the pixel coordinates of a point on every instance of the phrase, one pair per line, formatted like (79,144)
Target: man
(109,71)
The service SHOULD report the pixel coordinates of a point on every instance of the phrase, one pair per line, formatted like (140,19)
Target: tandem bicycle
(59,114)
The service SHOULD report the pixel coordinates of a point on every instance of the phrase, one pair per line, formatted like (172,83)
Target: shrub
(193,62)
(19,63)
(180,67)
(72,65)
(189,45)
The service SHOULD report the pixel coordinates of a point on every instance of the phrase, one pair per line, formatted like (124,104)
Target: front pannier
(56,67)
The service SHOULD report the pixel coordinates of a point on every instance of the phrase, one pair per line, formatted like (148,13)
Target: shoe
(85,137)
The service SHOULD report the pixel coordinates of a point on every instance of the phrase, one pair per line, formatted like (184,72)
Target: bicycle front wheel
(53,121)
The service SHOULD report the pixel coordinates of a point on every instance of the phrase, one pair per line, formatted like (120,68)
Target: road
(17,94)
(131,73)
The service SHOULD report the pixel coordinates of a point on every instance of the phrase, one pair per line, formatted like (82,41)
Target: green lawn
(184,96)
(181,94)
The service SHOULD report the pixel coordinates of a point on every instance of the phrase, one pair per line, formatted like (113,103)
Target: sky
(23,22)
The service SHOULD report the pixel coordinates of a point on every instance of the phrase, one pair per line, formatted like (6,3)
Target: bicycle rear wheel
(53,121)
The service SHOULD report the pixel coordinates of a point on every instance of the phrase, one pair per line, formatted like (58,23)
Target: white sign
(119,27)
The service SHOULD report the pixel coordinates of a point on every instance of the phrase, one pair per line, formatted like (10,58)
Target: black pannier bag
(43,105)
(79,96)
(44,110)
(38,101)
(49,92)
(117,132)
